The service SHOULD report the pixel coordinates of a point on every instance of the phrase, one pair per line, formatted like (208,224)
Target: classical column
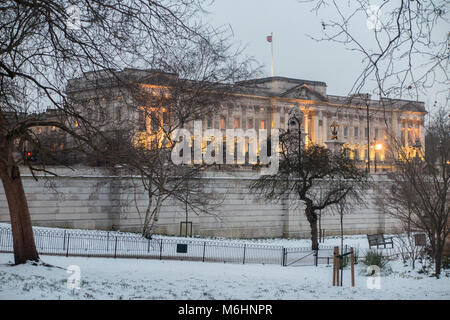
(422,134)
(275,118)
(317,138)
(325,127)
(306,124)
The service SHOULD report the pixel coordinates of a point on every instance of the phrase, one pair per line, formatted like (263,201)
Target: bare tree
(317,165)
(199,82)
(45,43)
(404,45)
(419,193)
(407,247)
(163,181)
(342,208)
(405,53)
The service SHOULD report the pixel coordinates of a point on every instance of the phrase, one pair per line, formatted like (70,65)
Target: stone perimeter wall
(88,198)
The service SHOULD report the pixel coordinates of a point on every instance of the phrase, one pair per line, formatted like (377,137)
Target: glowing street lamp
(378,147)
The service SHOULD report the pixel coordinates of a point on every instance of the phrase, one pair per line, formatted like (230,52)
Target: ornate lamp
(334,130)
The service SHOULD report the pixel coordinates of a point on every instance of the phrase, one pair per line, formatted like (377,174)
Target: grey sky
(296,55)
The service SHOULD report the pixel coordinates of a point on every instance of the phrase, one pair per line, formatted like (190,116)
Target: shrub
(446,262)
(356,255)
(375,258)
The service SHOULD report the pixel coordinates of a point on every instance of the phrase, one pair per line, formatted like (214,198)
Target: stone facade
(266,103)
(93,198)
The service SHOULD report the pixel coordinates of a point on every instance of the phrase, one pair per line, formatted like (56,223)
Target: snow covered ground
(109,278)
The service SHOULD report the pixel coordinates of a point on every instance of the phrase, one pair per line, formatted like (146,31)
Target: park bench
(379,240)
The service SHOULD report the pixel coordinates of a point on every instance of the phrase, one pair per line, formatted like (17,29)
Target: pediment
(303,91)
(413,106)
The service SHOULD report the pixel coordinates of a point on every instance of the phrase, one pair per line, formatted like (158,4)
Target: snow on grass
(356,241)
(107,278)
(113,244)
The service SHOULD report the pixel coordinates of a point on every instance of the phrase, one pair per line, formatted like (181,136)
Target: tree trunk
(438,257)
(311,216)
(146,232)
(23,239)
(152,219)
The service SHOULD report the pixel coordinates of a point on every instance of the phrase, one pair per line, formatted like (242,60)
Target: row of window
(157,119)
(261,124)
(354,132)
(105,115)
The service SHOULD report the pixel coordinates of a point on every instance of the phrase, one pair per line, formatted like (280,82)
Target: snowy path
(107,278)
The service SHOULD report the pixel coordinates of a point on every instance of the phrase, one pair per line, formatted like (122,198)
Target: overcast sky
(295,54)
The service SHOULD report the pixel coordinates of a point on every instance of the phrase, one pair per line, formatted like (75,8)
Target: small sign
(181,248)
(420,239)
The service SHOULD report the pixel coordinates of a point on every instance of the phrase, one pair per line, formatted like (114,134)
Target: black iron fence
(116,245)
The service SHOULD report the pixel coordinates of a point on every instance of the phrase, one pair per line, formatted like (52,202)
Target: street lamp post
(368,132)
(377,147)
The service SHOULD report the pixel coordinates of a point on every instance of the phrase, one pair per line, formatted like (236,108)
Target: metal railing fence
(116,245)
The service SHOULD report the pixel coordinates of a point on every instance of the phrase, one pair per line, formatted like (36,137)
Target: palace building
(366,127)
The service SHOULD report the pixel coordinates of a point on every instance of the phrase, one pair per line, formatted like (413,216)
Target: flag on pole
(269,39)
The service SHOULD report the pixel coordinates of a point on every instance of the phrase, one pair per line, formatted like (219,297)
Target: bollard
(68,238)
(352,262)
(204,249)
(115,248)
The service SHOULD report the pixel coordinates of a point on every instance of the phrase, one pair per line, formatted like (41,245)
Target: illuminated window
(237,123)
(165,118)
(222,123)
(141,120)
(410,138)
(154,121)
(262,124)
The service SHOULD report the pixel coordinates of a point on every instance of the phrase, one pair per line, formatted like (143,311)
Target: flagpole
(271,51)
